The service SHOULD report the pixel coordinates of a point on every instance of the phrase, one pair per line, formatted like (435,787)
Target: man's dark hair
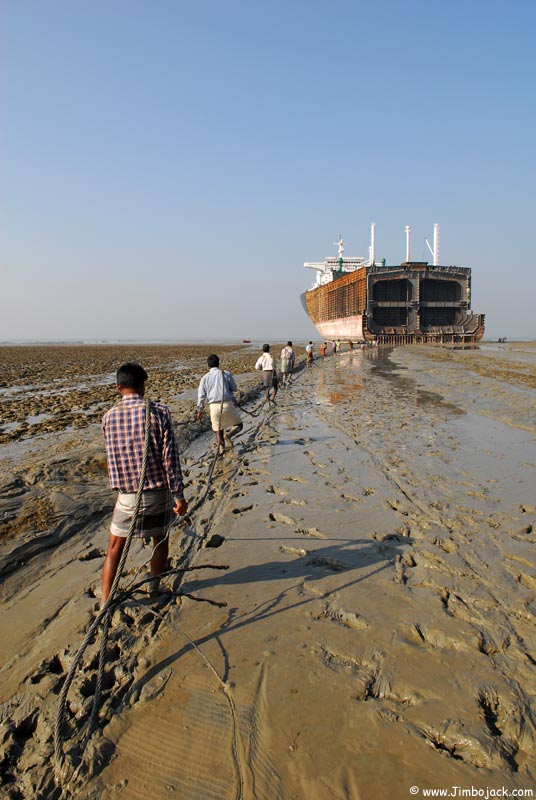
(266,348)
(213,360)
(289,344)
(131,376)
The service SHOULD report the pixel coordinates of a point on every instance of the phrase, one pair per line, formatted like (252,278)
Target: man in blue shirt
(218,385)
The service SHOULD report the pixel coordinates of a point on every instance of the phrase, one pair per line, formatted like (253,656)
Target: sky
(167,167)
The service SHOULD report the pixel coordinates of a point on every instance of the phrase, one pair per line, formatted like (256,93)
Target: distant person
(309,354)
(350,345)
(333,347)
(266,362)
(217,385)
(287,363)
(124,438)
(323,350)
(338,345)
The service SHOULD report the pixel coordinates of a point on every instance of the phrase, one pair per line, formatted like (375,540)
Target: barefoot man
(124,439)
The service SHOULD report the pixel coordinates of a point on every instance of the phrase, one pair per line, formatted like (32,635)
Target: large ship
(363,300)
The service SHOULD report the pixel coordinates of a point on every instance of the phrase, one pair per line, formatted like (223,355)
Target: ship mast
(435,250)
(372,248)
(436,244)
(408,243)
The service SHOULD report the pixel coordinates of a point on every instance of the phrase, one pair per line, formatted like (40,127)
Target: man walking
(217,385)
(124,438)
(287,363)
(266,362)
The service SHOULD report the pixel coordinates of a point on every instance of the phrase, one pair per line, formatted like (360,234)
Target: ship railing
(452,270)
(443,303)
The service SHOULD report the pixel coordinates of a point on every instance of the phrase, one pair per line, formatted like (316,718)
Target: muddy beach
(364,628)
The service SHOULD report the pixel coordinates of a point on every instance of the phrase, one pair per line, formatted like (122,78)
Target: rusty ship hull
(408,303)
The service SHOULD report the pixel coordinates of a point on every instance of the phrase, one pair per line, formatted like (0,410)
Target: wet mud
(371,626)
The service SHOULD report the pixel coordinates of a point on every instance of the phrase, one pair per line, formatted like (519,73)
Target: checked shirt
(124,438)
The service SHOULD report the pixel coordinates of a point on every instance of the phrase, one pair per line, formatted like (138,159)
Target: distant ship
(363,300)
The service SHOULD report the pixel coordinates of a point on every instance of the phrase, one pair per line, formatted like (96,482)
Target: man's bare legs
(111,562)
(232,432)
(113,557)
(160,555)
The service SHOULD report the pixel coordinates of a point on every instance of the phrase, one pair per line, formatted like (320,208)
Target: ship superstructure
(360,299)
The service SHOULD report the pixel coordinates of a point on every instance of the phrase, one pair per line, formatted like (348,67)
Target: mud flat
(371,626)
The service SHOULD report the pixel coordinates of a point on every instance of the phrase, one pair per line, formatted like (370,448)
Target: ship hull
(342,328)
(409,303)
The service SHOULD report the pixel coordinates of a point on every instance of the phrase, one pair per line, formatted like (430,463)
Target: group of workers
(124,429)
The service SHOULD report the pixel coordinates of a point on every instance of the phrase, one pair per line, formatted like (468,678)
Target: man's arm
(232,383)
(202,393)
(172,465)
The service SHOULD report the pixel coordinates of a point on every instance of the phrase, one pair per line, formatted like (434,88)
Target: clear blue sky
(167,167)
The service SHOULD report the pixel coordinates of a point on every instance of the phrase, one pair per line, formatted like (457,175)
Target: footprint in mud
(527,529)
(435,638)
(293,551)
(395,505)
(491,645)
(447,545)
(351,498)
(337,661)
(314,532)
(242,509)
(276,490)
(95,552)
(277,517)
(312,458)
(329,563)
(452,739)
(400,571)
(404,530)
(347,618)
(293,478)
(50,666)
(386,537)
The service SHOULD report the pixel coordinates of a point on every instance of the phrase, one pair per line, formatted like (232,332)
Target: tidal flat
(366,624)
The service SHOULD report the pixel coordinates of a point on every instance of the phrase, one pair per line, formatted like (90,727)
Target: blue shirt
(210,387)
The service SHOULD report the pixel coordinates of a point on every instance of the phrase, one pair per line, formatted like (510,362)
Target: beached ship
(363,300)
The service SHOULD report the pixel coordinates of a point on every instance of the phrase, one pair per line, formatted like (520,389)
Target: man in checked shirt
(124,438)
